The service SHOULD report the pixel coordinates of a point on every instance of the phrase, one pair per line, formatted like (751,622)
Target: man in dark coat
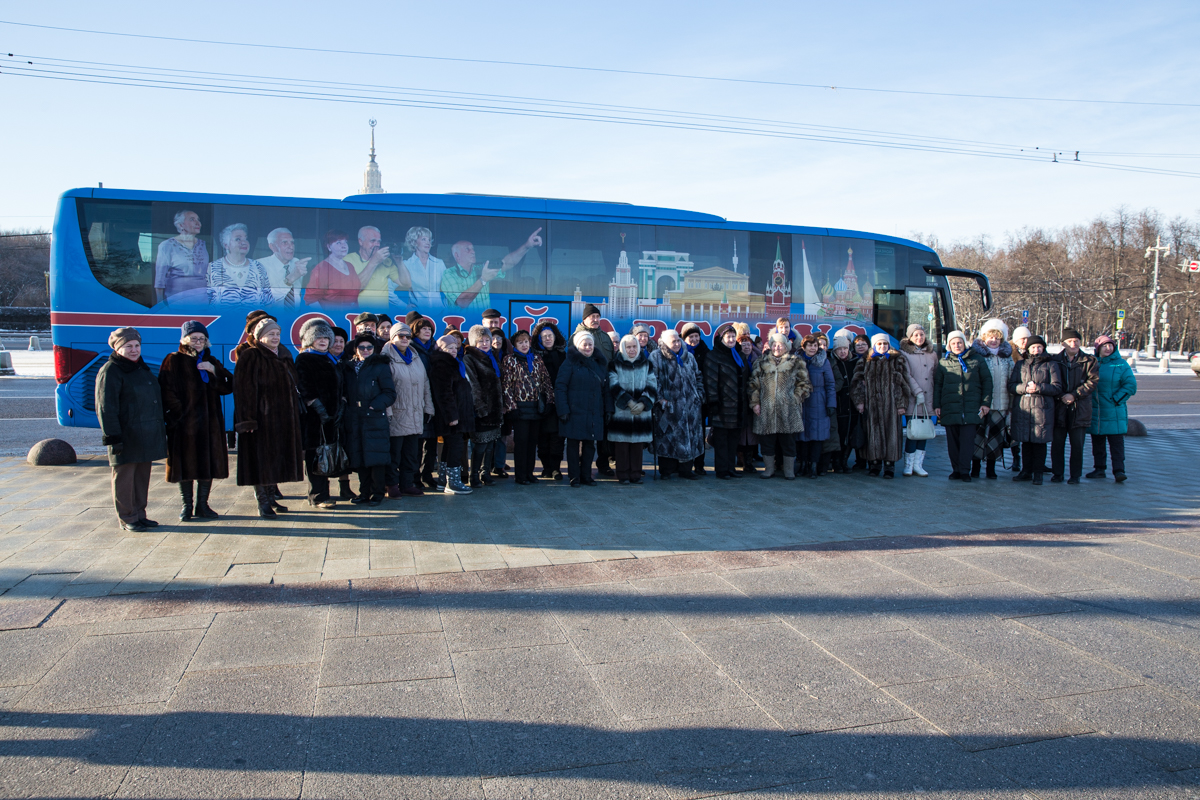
(726,378)
(1073,410)
(267,418)
(693,340)
(369,392)
(580,393)
(321,395)
(129,405)
(192,383)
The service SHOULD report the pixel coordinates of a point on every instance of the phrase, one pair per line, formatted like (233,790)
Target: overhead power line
(532,64)
(299,89)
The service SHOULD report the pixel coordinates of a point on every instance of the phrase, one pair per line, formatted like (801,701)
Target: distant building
(715,294)
(845,298)
(666,266)
(622,292)
(779,288)
(372,178)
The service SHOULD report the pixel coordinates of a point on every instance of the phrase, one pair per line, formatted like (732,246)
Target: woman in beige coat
(406,416)
(922,356)
(779,385)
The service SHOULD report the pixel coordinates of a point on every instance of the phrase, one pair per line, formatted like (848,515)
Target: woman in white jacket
(993,347)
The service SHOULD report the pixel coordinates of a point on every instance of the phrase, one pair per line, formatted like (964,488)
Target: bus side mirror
(985,286)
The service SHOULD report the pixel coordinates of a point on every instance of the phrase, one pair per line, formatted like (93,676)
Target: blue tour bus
(153,260)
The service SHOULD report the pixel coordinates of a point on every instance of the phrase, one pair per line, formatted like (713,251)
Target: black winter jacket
(580,392)
(368,393)
(485,388)
(1080,377)
(129,405)
(452,397)
(320,379)
(726,392)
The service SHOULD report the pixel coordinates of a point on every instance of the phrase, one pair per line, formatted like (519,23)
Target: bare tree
(24,262)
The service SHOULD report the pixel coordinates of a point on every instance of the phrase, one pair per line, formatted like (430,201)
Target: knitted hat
(913,329)
(118,338)
(192,326)
(689,329)
(1071,333)
(400,328)
(365,336)
(776,336)
(842,338)
(264,325)
(994,325)
(881,337)
(492,313)
(590,309)
(314,329)
(950,337)
(1103,339)
(1035,340)
(1021,331)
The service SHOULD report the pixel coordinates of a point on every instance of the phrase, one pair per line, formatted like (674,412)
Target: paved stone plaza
(845,637)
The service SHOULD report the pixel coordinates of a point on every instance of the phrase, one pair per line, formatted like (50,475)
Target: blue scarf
(495,363)
(733,352)
(462,368)
(325,353)
(678,356)
(426,346)
(404,354)
(691,347)
(203,373)
(963,363)
(529,357)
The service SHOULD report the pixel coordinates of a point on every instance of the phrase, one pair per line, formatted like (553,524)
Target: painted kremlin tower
(779,289)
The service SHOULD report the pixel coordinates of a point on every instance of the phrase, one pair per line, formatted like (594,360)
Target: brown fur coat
(196,449)
(266,416)
(881,385)
(779,389)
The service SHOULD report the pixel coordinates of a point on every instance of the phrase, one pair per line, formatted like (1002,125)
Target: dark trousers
(428,456)
(629,459)
(454,446)
(1034,457)
(698,464)
(673,466)
(1058,451)
(550,449)
(809,451)
(1116,443)
(604,453)
(370,481)
(960,446)
(131,490)
(525,441)
(913,445)
(318,485)
(785,443)
(725,444)
(580,453)
(402,470)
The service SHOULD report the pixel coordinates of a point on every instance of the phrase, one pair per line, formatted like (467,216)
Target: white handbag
(920,426)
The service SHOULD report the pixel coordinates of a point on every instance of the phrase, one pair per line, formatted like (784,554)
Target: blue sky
(71,134)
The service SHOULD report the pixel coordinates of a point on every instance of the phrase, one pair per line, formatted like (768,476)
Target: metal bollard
(35,343)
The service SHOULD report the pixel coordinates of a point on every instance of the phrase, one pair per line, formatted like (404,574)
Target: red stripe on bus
(125,320)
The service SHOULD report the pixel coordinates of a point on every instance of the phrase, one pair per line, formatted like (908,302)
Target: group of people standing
(409,411)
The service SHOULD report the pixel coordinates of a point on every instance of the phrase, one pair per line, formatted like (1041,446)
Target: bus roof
(492,205)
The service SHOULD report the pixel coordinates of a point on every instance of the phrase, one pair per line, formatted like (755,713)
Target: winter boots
(265,495)
(991,468)
(909,458)
(975,465)
(919,464)
(789,468)
(768,470)
(454,484)
(889,469)
(441,476)
(202,509)
(185,491)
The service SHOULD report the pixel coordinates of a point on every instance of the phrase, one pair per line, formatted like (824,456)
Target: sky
(62,134)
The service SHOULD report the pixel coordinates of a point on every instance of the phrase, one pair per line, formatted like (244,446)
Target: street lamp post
(1157,249)
(1166,333)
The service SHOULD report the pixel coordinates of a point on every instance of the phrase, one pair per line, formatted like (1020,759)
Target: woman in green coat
(962,397)
(1110,420)
(129,405)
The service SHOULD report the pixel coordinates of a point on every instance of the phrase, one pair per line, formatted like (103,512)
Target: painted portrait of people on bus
(235,278)
(465,283)
(182,261)
(333,282)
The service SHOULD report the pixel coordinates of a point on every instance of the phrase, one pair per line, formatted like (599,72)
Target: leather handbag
(331,460)
(920,426)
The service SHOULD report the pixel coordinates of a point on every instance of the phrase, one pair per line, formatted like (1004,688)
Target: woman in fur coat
(992,346)
(726,376)
(192,384)
(922,357)
(1036,382)
(779,385)
(454,410)
(632,390)
(483,370)
(551,346)
(266,415)
(882,394)
(319,378)
(679,427)
(369,393)
(843,362)
(819,407)
(528,391)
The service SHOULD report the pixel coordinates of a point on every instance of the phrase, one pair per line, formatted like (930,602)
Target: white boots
(909,458)
(918,464)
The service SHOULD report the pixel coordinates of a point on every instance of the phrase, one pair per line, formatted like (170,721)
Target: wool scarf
(325,353)
(962,362)
(203,373)
(495,363)
(406,355)
(529,357)
(737,357)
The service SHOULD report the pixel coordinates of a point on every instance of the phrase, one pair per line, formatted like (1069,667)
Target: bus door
(524,315)
(896,309)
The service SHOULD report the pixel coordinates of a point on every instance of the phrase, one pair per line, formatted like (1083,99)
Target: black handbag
(331,460)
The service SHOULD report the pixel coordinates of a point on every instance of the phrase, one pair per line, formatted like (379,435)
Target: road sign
(1120,324)
(1025,315)
(1120,313)
(1193,266)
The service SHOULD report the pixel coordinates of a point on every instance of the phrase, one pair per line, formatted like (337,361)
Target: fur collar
(817,361)
(980,349)
(560,341)
(624,363)
(907,346)
(892,352)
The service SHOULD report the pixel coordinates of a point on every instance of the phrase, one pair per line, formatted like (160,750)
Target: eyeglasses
(402,336)
(366,347)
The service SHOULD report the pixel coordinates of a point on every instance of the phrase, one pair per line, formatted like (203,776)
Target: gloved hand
(636,408)
(607,417)
(562,419)
(322,414)
(920,398)
(831,411)
(117,448)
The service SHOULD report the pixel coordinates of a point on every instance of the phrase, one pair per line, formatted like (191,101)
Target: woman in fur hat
(319,380)
(528,391)
(747,440)
(632,390)
(423,343)
(551,346)
(922,357)
(1036,382)
(129,406)
(992,346)
(679,427)
(266,406)
(779,385)
(192,383)
(882,393)
(693,340)
(842,362)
